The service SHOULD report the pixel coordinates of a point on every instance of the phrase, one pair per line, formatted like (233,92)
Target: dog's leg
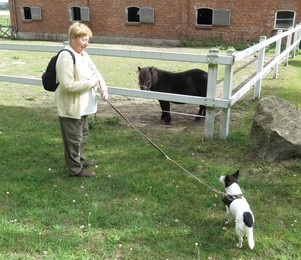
(239,244)
(240,235)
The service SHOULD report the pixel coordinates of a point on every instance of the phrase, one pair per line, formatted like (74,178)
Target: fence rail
(213,59)
(172,56)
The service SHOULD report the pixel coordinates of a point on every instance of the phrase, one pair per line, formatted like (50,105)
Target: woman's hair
(78,29)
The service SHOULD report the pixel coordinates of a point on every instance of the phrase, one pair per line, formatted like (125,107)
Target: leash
(163,153)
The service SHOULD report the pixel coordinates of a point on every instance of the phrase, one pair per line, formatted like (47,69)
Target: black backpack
(49,76)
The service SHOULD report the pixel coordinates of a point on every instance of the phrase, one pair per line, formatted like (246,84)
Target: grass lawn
(140,205)
(4,18)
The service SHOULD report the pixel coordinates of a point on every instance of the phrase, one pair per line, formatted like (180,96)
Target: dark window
(133,14)
(79,13)
(32,13)
(27,13)
(204,16)
(75,14)
(284,19)
(207,16)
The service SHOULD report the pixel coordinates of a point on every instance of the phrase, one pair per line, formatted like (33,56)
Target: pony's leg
(202,112)
(165,106)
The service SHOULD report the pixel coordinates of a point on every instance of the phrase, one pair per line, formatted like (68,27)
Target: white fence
(214,59)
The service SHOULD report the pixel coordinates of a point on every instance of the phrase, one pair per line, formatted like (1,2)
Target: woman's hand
(104,95)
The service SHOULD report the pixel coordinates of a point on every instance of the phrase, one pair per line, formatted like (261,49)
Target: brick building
(154,21)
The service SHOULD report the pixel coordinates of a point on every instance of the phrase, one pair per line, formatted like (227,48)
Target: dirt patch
(146,114)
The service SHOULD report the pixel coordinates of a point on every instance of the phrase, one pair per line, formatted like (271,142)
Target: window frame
(34,12)
(83,13)
(145,15)
(226,21)
(293,20)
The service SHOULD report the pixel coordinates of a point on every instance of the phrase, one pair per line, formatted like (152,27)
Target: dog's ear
(236,174)
(229,180)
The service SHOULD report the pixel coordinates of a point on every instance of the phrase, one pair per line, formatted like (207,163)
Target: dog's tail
(250,238)
(249,221)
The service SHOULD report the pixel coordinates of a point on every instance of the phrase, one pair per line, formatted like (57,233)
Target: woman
(76,98)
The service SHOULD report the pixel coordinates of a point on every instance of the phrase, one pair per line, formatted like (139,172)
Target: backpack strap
(71,53)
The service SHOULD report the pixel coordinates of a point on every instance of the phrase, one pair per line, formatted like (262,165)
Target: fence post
(294,40)
(211,92)
(259,68)
(299,36)
(227,93)
(277,53)
(288,44)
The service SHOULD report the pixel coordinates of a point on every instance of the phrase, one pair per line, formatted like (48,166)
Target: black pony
(191,82)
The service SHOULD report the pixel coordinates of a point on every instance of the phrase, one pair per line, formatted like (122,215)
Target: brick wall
(174,19)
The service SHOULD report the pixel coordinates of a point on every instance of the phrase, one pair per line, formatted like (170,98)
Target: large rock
(276,129)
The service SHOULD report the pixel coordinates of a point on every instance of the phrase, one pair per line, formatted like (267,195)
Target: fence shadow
(295,63)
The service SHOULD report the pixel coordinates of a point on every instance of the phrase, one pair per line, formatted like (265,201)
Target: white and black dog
(237,205)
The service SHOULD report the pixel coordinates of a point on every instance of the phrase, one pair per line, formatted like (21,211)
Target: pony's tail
(250,238)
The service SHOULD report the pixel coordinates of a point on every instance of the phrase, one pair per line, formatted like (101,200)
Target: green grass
(4,18)
(140,205)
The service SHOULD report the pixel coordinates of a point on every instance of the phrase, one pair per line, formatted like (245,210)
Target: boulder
(276,129)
